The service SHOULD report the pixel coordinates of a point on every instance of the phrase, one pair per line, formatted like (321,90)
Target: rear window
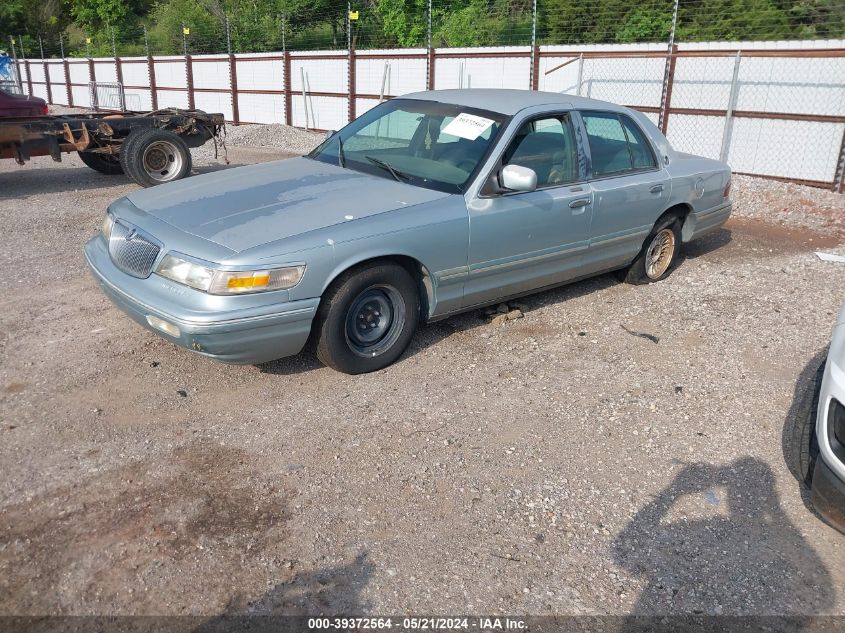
(617,145)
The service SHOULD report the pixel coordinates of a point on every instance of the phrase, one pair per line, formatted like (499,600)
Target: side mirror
(330,133)
(518,178)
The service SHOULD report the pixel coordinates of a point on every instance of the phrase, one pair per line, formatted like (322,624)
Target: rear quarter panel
(697,181)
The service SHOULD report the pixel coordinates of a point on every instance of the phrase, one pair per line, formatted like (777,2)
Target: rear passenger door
(630,188)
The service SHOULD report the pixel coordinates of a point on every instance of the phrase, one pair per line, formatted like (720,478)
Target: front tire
(103,163)
(367,318)
(804,446)
(658,255)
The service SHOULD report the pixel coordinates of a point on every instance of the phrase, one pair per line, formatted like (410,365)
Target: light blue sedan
(425,206)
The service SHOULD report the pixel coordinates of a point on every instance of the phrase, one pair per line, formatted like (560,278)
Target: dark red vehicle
(21,105)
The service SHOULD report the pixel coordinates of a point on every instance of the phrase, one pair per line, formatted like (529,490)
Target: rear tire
(658,255)
(804,447)
(367,318)
(152,157)
(103,163)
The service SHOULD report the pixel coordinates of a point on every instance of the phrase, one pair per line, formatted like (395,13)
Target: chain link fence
(772,105)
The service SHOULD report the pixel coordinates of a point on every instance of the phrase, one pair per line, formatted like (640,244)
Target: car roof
(509,102)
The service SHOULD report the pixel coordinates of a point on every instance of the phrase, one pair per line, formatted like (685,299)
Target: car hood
(246,207)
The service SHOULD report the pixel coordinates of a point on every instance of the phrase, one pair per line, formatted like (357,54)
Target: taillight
(44,109)
(727,192)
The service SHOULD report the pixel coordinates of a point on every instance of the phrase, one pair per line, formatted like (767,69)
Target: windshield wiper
(397,175)
(341,159)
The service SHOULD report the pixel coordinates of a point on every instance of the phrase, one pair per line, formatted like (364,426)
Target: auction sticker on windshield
(467,126)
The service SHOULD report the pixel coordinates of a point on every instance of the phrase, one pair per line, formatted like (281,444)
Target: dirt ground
(555,464)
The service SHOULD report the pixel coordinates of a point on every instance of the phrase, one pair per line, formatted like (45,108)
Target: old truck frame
(150,148)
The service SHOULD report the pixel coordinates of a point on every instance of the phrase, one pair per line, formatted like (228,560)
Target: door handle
(580,202)
(656,189)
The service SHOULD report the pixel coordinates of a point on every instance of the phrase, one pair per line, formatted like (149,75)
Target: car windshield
(424,143)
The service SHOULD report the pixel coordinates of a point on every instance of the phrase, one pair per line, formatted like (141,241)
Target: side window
(608,145)
(546,146)
(641,151)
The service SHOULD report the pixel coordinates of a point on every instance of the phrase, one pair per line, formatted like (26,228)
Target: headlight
(227,282)
(185,272)
(108,223)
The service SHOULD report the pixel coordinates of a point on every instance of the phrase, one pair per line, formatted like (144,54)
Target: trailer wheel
(152,156)
(103,163)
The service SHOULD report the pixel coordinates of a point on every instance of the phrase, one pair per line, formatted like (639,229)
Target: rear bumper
(246,335)
(701,223)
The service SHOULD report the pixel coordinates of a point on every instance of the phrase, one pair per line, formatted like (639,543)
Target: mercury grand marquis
(425,206)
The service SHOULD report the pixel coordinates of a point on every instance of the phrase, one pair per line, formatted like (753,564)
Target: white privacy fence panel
(390,73)
(105,70)
(136,83)
(776,109)
(500,67)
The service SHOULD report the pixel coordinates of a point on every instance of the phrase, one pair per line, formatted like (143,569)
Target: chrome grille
(132,252)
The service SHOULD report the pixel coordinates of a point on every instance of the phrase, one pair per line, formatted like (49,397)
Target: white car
(818,447)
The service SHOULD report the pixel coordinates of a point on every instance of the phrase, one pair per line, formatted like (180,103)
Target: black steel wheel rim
(375,321)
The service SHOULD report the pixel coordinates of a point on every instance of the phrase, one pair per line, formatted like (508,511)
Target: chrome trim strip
(452,273)
(625,236)
(529,260)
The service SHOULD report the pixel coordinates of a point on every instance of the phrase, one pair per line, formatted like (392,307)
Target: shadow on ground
(332,591)
(715,541)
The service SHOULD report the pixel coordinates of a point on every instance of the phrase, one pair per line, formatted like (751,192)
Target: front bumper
(828,488)
(828,495)
(246,329)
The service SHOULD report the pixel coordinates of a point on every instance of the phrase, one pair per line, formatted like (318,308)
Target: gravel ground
(786,204)
(551,464)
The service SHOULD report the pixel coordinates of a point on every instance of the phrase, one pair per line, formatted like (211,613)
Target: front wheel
(658,255)
(103,163)
(367,318)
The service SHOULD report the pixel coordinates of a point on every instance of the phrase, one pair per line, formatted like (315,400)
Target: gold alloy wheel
(659,255)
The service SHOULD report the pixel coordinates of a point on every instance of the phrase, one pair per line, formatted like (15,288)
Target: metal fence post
(840,168)
(118,71)
(92,83)
(304,95)
(668,73)
(17,64)
(28,76)
(66,68)
(151,72)
(668,80)
(189,68)
(351,70)
(535,50)
(580,73)
(46,71)
(429,71)
(729,113)
(233,75)
(288,92)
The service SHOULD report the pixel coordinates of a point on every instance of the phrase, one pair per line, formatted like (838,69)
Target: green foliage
(32,17)
(265,25)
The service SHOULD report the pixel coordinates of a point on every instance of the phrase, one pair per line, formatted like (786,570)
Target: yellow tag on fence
(186,30)
(353,15)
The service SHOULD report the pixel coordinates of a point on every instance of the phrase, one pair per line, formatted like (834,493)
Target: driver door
(522,241)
